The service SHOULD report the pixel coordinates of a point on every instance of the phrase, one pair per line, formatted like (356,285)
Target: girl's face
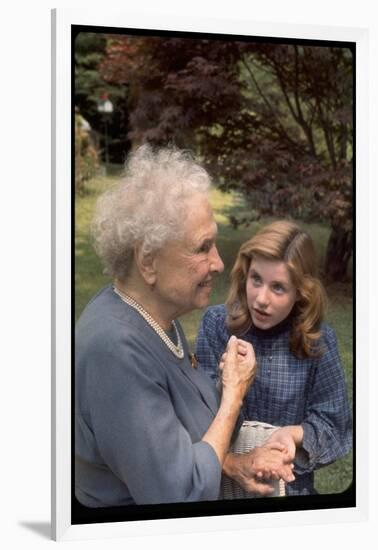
(271,293)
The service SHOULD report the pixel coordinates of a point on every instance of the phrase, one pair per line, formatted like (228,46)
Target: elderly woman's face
(185,268)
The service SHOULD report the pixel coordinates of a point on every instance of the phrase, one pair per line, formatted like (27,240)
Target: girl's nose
(262,298)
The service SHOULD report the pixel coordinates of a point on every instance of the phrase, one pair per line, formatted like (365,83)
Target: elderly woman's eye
(205,248)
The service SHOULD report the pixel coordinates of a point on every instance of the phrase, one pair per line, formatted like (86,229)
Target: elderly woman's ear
(145,264)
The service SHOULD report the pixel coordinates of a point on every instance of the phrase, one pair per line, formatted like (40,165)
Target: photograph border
(62,291)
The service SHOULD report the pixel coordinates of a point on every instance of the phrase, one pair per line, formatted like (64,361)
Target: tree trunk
(339,251)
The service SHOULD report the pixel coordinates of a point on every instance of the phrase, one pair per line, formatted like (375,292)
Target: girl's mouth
(261,313)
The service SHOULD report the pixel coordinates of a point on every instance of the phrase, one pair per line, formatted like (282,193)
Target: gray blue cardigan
(140,413)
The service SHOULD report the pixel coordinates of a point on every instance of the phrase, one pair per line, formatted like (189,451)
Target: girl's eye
(278,288)
(255,279)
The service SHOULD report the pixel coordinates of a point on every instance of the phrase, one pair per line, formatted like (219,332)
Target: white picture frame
(62,527)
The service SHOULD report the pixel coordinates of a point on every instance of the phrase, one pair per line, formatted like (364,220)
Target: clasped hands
(256,469)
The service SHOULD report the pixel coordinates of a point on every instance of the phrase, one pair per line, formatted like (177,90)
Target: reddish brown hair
(282,241)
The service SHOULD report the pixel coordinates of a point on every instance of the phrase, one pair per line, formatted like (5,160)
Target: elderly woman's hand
(254,470)
(238,368)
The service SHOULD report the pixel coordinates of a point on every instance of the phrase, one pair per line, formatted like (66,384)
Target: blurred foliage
(86,154)
(273,121)
(90,49)
(91,88)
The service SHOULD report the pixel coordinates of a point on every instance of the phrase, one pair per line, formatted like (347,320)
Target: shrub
(86,154)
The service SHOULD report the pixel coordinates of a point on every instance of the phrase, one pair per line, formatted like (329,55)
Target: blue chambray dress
(311,392)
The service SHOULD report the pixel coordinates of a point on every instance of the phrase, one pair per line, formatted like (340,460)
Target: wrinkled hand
(237,366)
(283,436)
(272,462)
(254,471)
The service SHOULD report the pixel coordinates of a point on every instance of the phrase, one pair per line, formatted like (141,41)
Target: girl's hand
(289,437)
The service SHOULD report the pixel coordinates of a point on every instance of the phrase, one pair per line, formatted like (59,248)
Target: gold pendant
(193,360)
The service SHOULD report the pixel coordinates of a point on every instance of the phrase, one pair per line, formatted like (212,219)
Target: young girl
(277,302)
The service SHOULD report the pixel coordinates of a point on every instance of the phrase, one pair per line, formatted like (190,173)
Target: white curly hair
(147,207)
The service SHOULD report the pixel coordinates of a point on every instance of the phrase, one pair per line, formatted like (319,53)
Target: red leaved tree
(273,121)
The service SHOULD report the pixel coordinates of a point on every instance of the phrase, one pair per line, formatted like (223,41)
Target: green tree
(273,121)
(90,49)
(90,88)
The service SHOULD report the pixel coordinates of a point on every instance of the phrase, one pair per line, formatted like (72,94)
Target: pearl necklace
(178,350)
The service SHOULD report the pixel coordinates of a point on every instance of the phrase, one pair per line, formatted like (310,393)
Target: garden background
(271,122)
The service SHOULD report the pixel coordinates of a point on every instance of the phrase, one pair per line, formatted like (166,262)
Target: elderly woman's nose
(216,263)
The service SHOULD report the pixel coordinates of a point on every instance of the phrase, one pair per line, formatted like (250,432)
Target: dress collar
(277,330)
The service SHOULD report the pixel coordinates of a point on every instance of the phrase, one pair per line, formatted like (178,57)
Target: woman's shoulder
(107,322)
(102,301)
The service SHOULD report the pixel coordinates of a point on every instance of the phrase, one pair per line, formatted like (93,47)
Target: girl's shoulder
(215,313)
(328,341)
(327,332)
(214,320)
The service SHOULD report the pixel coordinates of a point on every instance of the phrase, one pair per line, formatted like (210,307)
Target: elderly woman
(150,426)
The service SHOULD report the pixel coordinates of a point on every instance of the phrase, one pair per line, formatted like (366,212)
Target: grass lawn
(89,279)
